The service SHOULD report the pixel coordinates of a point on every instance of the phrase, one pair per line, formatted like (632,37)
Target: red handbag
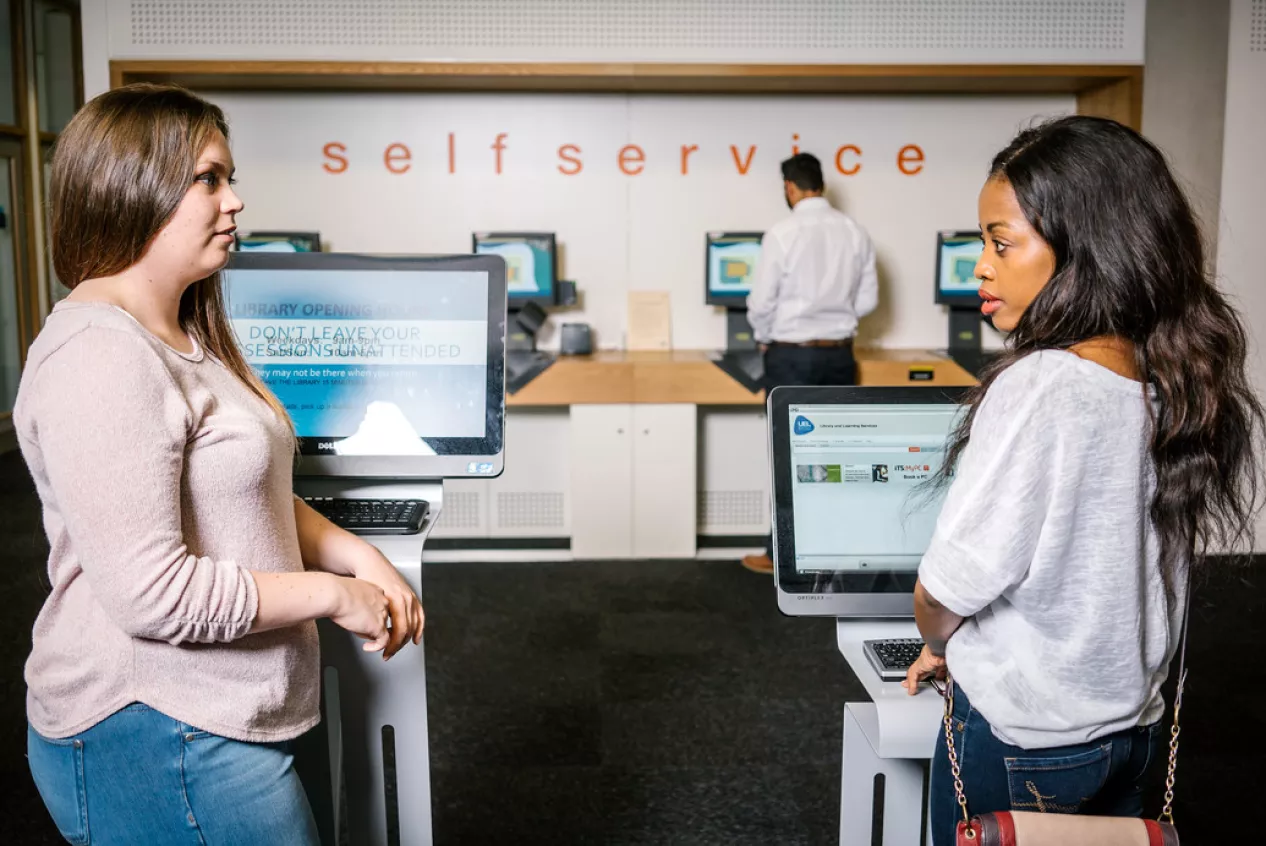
(1024,828)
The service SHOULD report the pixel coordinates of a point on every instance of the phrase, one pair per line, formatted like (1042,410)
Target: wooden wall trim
(1121,100)
(620,77)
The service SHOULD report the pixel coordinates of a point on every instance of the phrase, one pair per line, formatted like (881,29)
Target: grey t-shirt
(1045,545)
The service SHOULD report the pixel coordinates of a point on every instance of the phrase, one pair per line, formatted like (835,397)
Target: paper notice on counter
(650,321)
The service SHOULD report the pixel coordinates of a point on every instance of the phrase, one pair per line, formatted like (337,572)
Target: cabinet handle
(619,431)
(646,431)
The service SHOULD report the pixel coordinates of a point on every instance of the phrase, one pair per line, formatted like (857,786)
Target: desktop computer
(854,500)
(389,367)
(731,259)
(278,242)
(856,503)
(956,286)
(531,264)
(532,285)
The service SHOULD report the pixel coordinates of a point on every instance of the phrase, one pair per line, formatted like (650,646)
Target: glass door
(11,300)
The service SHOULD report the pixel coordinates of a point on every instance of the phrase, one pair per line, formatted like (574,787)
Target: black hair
(804,171)
(1129,262)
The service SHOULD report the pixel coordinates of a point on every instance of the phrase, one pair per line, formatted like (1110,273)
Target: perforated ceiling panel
(975,31)
(1257,27)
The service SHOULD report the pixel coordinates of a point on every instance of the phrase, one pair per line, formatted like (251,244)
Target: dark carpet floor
(656,702)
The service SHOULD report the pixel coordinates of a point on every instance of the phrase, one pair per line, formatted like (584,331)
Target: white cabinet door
(665,480)
(601,481)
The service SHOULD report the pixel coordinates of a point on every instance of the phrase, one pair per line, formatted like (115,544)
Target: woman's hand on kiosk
(404,607)
(926,666)
(362,609)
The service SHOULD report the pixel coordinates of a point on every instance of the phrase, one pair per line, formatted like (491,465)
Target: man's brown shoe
(758,563)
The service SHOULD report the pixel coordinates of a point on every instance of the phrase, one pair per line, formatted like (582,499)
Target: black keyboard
(747,367)
(522,366)
(891,658)
(372,516)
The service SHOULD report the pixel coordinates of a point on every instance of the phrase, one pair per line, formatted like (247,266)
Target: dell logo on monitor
(802,425)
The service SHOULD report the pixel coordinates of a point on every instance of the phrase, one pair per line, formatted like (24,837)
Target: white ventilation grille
(460,511)
(757,30)
(1257,27)
(530,510)
(718,509)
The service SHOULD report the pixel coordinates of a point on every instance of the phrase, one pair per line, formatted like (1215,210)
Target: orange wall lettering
(744,165)
(910,154)
(334,151)
(570,154)
(686,150)
(397,153)
(630,155)
(498,146)
(839,159)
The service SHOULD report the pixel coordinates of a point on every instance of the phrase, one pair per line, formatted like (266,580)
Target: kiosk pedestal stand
(372,746)
(741,360)
(887,744)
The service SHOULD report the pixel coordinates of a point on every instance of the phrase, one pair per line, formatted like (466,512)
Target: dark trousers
(787,366)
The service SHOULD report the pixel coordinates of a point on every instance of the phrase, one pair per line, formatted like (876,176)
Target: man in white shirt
(814,281)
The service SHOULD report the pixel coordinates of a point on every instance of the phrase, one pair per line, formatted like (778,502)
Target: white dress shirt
(815,278)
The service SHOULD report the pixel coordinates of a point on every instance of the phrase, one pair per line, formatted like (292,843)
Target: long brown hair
(1129,263)
(120,169)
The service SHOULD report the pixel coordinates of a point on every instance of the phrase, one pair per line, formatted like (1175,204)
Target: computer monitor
(279,242)
(390,367)
(854,507)
(956,257)
(531,264)
(730,265)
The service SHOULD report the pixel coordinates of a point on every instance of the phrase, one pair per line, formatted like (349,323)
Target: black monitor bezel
(730,301)
(515,300)
(971,300)
(278,235)
(777,405)
(453,455)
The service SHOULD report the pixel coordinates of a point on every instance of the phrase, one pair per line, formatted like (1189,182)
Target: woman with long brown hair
(1111,450)
(176,654)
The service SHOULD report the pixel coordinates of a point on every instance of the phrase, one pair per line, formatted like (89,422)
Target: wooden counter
(689,376)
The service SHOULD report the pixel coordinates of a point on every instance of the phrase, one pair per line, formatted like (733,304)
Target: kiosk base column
(887,790)
(374,712)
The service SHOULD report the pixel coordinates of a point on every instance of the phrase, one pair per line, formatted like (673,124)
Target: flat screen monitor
(854,507)
(531,263)
(731,264)
(390,367)
(279,242)
(956,257)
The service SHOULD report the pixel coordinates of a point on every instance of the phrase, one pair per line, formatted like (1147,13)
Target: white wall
(1184,97)
(1240,236)
(620,232)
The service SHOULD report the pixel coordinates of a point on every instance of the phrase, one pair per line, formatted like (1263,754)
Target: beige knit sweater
(163,480)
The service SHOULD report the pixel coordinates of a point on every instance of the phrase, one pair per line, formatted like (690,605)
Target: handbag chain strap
(1167,813)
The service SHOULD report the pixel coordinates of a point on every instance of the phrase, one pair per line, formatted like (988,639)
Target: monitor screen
(387,366)
(855,500)
(531,263)
(731,264)
(956,257)
(280,242)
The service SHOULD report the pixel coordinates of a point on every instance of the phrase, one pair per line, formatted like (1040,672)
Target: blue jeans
(1103,777)
(139,776)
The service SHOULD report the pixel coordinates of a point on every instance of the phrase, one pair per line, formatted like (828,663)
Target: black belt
(836,343)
